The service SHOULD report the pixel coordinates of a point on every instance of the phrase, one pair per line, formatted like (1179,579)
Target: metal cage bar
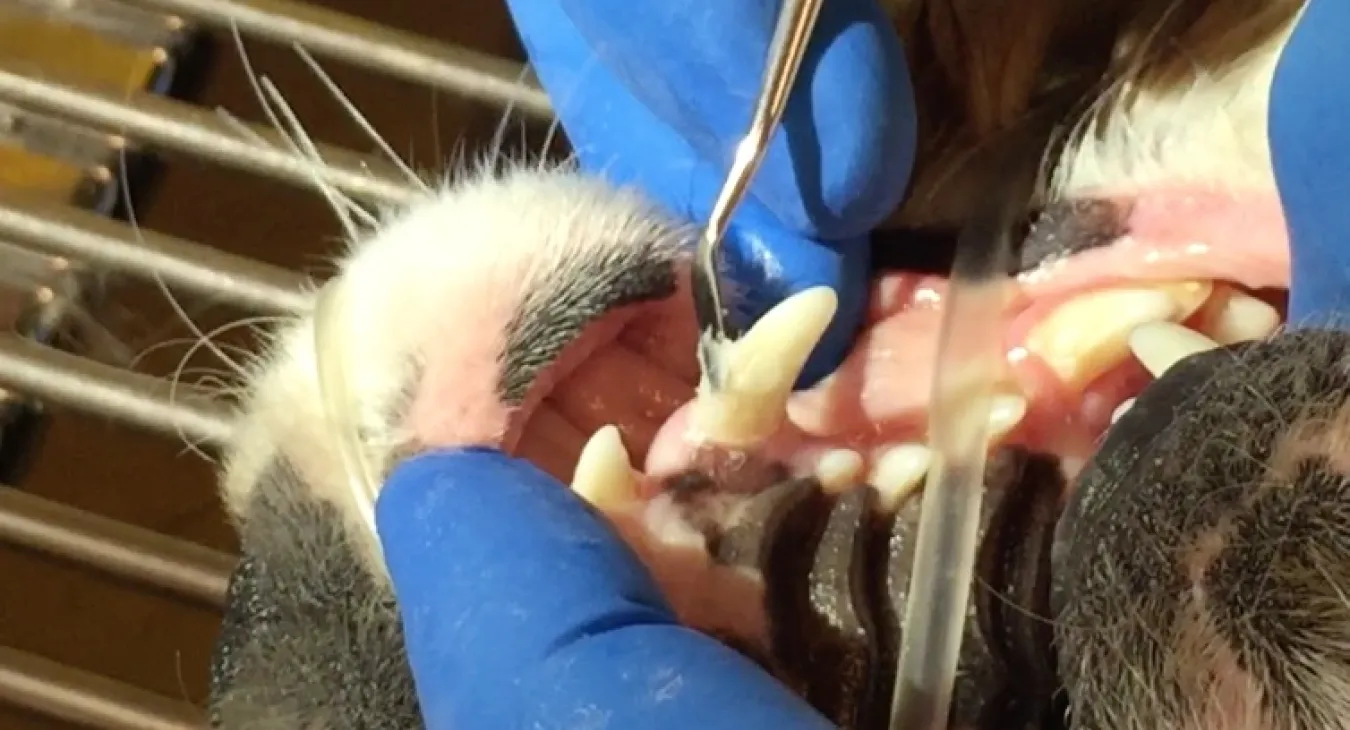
(58,233)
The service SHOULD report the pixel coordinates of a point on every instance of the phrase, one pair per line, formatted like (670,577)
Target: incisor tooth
(1088,335)
(1242,318)
(1160,345)
(604,475)
(839,469)
(1005,412)
(898,472)
(1121,410)
(760,369)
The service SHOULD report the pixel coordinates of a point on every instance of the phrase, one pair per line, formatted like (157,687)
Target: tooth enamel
(760,370)
(1121,410)
(1088,335)
(897,472)
(1005,412)
(604,475)
(839,469)
(1160,345)
(1242,318)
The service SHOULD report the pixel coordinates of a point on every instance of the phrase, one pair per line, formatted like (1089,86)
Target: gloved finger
(522,609)
(1310,147)
(844,155)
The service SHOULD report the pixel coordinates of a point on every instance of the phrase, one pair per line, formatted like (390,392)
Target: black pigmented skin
(836,574)
(1056,231)
(309,639)
(585,287)
(1218,507)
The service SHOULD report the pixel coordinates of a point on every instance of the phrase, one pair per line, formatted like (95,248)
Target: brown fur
(980,68)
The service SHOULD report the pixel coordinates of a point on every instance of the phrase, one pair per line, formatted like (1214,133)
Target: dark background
(154,642)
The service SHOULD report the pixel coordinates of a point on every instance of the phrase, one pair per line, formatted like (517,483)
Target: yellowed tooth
(1088,335)
(760,370)
(1160,345)
(1242,318)
(898,472)
(604,475)
(839,469)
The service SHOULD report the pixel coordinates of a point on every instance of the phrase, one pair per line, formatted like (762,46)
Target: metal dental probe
(796,21)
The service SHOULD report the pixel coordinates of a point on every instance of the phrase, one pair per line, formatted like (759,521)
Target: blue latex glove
(1310,145)
(658,94)
(546,619)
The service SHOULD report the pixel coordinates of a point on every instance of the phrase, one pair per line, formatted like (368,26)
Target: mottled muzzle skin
(311,638)
(1202,568)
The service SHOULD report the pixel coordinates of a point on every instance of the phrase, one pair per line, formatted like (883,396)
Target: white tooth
(1088,335)
(760,369)
(1005,412)
(898,472)
(839,469)
(604,475)
(1160,345)
(1242,318)
(1121,410)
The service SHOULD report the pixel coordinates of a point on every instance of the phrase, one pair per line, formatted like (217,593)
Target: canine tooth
(1160,345)
(1242,318)
(1088,335)
(604,475)
(1121,410)
(760,370)
(898,472)
(839,469)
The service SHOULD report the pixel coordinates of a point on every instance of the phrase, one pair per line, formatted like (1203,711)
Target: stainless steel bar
(131,553)
(88,700)
(376,47)
(188,129)
(85,236)
(57,377)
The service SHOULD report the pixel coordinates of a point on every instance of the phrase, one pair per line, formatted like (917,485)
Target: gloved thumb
(1310,150)
(522,609)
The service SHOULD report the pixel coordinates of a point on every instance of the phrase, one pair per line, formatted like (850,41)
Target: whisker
(124,181)
(258,84)
(360,119)
(341,198)
(494,148)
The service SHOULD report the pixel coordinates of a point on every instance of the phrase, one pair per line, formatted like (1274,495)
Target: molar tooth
(604,475)
(760,370)
(1160,345)
(1088,335)
(1242,318)
(898,472)
(839,469)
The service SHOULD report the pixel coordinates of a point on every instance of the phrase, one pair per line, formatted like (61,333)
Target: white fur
(1211,131)
(464,259)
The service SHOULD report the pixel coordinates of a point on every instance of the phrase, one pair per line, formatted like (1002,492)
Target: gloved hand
(658,94)
(1310,146)
(546,619)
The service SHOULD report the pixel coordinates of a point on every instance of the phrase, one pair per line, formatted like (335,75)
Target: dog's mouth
(781,522)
